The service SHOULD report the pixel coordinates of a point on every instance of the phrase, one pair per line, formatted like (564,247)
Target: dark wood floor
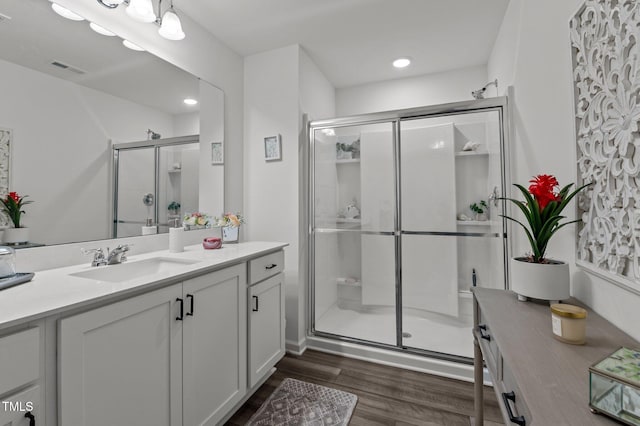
(386,395)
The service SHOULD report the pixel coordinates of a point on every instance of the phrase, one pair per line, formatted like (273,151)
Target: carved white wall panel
(5,167)
(605,37)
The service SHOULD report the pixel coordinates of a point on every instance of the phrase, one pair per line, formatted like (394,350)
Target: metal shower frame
(499,104)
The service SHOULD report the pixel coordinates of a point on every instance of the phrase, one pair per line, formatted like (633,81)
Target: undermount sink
(132,270)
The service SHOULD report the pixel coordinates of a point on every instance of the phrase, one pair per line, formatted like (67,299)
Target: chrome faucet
(98,256)
(118,254)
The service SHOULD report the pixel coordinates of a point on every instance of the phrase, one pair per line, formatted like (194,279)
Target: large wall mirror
(67,95)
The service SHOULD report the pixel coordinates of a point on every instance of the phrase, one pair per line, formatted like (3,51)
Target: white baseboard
(296,348)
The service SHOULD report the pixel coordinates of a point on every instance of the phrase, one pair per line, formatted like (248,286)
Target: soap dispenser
(149,228)
(176,238)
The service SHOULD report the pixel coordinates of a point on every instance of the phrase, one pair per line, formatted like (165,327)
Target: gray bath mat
(304,404)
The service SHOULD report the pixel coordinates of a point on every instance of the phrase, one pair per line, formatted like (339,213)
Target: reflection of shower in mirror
(153,135)
(479,94)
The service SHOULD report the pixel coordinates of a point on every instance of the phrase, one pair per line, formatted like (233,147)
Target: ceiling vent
(67,67)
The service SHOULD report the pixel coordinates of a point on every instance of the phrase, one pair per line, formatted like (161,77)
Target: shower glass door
(156,181)
(135,182)
(451,230)
(354,243)
(405,217)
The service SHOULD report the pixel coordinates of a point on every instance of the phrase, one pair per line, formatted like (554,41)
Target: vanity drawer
(266,266)
(19,359)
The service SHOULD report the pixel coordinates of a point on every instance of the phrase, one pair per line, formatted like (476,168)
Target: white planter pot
(546,281)
(15,235)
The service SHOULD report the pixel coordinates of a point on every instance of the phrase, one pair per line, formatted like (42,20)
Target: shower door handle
(494,196)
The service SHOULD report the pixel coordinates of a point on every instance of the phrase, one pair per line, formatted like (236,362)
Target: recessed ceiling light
(402,62)
(190,101)
(66,13)
(101,30)
(132,46)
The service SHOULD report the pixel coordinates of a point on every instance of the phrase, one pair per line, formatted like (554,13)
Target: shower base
(433,332)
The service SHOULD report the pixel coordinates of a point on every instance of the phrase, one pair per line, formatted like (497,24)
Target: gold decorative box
(614,386)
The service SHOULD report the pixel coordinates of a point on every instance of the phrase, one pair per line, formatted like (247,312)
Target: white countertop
(55,290)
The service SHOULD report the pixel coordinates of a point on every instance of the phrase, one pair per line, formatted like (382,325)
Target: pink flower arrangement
(231,219)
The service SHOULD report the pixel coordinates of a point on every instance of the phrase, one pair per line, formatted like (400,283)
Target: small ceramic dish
(212,243)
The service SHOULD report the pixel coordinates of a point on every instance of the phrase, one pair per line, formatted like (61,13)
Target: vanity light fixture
(132,46)
(171,27)
(402,62)
(142,11)
(111,4)
(190,101)
(100,30)
(66,13)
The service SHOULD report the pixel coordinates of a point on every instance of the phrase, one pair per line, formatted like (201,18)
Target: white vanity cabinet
(174,356)
(266,315)
(215,345)
(20,355)
(122,363)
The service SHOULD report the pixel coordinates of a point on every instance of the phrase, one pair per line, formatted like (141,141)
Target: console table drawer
(511,397)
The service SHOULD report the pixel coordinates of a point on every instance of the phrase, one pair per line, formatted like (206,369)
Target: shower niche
(404,225)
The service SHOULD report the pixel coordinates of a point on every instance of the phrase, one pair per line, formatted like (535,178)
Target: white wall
(211,194)
(271,188)
(202,55)
(61,150)
(430,89)
(536,60)
(279,85)
(187,124)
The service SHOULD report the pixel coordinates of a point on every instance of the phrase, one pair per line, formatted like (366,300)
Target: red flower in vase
(542,188)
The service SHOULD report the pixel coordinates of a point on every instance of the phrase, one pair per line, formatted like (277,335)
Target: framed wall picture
(217,155)
(272,148)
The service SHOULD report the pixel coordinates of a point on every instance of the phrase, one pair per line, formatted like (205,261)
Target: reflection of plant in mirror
(480,207)
(195,219)
(12,207)
(173,207)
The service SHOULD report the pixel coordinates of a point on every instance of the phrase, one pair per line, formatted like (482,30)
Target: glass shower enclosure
(404,219)
(155,182)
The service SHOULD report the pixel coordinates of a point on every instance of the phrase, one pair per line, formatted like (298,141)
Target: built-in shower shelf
(473,222)
(349,282)
(348,161)
(347,220)
(175,170)
(471,153)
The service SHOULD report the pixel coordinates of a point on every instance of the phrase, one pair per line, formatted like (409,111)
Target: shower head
(479,94)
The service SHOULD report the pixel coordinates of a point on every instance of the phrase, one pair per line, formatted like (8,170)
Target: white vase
(546,281)
(230,234)
(15,235)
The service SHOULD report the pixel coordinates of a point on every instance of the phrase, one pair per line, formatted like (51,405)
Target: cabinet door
(121,364)
(215,345)
(266,326)
(15,407)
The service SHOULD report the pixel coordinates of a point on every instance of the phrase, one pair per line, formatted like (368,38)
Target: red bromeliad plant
(542,207)
(12,206)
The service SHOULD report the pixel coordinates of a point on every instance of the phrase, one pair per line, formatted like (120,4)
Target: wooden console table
(538,380)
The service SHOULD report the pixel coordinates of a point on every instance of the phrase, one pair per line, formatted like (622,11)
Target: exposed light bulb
(402,62)
(171,27)
(190,101)
(66,13)
(100,30)
(141,10)
(132,46)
